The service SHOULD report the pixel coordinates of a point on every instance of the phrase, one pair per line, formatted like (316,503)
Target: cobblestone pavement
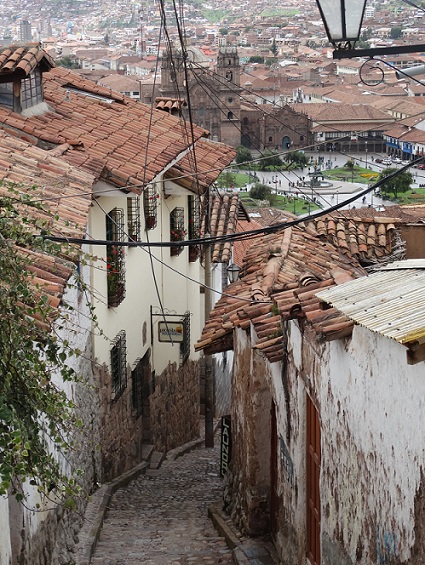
(161,517)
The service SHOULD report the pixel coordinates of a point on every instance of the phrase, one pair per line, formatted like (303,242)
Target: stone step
(147,450)
(156,459)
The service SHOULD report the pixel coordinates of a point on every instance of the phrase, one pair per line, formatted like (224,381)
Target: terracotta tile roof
(279,278)
(214,157)
(23,59)
(240,247)
(104,130)
(352,126)
(226,210)
(64,191)
(366,238)
(170,103)
(120,83)
(340,112)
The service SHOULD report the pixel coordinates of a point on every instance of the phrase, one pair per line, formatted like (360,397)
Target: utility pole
(209,409)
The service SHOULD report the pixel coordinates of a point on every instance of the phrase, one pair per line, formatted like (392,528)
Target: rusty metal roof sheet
(390,302)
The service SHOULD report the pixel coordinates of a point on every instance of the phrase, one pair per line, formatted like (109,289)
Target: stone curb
(216,516)
(246,551)
(96,511)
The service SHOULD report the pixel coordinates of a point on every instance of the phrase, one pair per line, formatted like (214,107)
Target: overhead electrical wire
(237,236)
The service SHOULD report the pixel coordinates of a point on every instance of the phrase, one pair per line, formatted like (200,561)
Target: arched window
(230,115)
(230,100)
(229,75)
(270,138)
(245,121)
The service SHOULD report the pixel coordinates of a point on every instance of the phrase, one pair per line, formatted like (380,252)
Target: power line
(240,235)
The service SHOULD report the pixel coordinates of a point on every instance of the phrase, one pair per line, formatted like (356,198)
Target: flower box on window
(194,252)
(177,230)
(150,203)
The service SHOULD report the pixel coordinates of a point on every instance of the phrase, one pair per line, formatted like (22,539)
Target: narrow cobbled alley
(161,517)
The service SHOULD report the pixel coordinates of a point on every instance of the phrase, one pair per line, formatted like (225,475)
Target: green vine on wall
(35,413)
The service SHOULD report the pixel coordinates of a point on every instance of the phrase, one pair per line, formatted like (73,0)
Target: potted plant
(177,233)
(115,278)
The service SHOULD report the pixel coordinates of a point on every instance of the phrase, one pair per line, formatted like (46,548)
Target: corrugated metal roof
(390,302)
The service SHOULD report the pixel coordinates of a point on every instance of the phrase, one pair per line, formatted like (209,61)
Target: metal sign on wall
(171,331)
(225,444)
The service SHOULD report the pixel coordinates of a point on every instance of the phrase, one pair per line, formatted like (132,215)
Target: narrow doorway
(313,478)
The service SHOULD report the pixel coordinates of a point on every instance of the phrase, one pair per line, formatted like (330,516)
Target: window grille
(177,231)
(185,344)
(119,364)
(195,231)
(6,94)
(115,257)
(31,90)
(150,205)
(133,219)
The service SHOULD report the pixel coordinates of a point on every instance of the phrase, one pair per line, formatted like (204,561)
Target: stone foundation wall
(247,492)
(51,537)
(175,406)
(120,427)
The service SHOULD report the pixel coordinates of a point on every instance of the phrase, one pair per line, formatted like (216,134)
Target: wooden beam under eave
(416,354)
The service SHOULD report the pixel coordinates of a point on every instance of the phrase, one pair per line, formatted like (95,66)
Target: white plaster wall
(372,442)
(5,548)
(292,489)
(174,291)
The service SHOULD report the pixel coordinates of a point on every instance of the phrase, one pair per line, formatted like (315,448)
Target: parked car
(405,163)
(379,160)
(387,162)
(396,160)
(421,166)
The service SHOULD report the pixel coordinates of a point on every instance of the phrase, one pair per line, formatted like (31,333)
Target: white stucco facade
(155,282)
(369,402)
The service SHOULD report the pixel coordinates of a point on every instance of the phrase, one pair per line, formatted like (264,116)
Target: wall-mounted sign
(225,445)
(171,332)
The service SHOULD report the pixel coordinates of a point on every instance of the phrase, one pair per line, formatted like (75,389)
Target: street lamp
(233,272)
(343,22)
(366,153)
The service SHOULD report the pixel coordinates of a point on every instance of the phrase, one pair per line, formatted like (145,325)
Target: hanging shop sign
(225,445)
(171,332)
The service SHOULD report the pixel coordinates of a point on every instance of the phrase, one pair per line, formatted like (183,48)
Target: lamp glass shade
(342,18)
(233,272)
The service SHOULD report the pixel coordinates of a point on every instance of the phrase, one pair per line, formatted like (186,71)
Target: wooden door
(313,478)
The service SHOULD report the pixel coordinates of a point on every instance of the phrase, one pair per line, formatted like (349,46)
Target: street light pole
(366,153)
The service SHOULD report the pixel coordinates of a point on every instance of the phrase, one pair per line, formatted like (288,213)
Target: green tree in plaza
(260,191)
(398,184)
(270,159)
(298,157)
(243,155)
(35,412)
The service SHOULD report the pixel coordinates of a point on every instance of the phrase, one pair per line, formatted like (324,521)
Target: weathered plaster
(373,451)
